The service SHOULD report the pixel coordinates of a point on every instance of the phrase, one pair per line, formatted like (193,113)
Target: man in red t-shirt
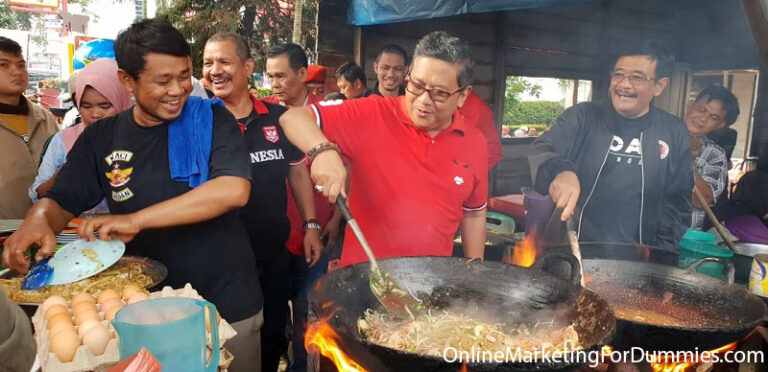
(418,172)
(477,112)
(287,72)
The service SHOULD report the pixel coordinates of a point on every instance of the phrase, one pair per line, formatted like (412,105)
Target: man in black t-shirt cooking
(189,222)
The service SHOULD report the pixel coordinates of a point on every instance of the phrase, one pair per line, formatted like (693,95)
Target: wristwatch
(312,224)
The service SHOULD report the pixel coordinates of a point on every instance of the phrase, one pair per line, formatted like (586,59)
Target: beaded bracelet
(325,146)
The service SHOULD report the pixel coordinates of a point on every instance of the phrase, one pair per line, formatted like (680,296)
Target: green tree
(516,86)
(13,20)
(535,112)
(263,23)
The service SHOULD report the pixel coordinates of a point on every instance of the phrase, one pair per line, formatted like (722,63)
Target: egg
(85,315)
(110,303)
(86,325)
(137,297)
(107,293)
(64,345)
(53,300)
(130,290)
(109,315)
(83,306)
(59,318)
(96,339)
(60,327)
(83,296)
(55,309)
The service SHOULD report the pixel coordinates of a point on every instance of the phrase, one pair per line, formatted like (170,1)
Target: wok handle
(730,270)
(545,263)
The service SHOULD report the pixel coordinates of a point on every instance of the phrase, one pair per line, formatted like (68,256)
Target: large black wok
(344,295)
(618,273)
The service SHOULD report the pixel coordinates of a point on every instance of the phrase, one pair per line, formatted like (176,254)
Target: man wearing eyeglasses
(418,172)
(624,165)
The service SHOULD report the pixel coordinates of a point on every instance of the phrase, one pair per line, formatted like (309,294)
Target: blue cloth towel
(189,141)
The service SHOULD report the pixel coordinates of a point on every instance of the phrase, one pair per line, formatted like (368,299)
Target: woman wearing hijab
(98,94)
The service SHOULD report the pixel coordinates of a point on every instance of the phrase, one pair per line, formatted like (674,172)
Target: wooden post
(755,11)
(499,77)
(359,48)
(499,85)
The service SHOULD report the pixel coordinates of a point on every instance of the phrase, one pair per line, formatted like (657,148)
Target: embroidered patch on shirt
(270,133)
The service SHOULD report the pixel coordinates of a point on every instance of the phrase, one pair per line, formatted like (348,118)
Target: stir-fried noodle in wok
(115,277)
(431,333)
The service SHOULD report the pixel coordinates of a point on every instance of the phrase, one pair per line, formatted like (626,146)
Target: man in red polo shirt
(418,171)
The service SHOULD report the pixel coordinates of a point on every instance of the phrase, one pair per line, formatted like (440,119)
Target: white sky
(108,17)
(550,90)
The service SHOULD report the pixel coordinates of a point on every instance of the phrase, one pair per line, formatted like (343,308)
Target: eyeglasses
(435,94)
(633,79)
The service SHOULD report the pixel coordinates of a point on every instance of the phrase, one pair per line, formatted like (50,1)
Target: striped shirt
(712,165)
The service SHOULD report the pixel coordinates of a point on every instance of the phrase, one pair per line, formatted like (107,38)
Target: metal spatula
(397,301)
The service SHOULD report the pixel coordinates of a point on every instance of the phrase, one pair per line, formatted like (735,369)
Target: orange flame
(607,349)
(685,364)
(463,368)
(320,335)
(588,278)
(525,251)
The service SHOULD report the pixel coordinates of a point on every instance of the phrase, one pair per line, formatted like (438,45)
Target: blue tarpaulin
(373,12)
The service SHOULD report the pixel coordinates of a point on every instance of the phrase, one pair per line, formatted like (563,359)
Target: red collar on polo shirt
(259,106)
(401,111)
(310,100)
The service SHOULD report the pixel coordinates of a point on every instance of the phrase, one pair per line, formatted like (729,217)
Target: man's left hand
(313,247)
(115,227)
(331,230)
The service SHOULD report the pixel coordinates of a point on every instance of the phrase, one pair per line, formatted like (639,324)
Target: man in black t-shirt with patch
(227,64)
(174,172)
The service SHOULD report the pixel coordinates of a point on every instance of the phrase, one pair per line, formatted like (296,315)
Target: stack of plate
(68,236)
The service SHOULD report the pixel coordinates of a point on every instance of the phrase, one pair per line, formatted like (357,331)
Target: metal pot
(342,296)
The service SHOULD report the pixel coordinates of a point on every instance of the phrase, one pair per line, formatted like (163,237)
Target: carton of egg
(70,336)
(78,336)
